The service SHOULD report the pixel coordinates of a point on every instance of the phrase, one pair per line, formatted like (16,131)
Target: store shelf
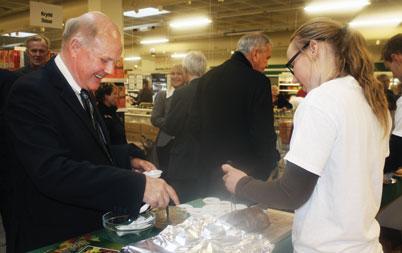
(289,91)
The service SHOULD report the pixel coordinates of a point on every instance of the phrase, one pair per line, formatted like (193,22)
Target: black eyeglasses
(289,65)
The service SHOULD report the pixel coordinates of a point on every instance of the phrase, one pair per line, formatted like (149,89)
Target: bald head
(91,45)
(89,27)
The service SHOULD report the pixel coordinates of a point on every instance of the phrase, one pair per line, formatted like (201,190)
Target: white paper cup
(153,173)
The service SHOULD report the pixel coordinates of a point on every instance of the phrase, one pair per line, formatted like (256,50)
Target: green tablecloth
(106,239)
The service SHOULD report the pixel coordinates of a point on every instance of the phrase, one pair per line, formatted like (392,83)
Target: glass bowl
(123,224)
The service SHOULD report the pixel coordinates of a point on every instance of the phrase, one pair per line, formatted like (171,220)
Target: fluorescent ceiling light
(132,58)
(178,55)
(235,33)
(19,34)
(154,41)
(145,12)
(190,22)
(394,21)
(333,6)
(141,28)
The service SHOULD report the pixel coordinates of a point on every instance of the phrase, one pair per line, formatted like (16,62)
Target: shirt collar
(66,73)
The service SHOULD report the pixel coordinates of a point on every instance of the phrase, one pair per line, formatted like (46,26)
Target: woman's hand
(232,177)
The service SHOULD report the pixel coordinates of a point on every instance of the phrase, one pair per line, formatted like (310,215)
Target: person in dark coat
(183,170)
(106,96)
(234,105)
(392,55)
(37,52)
(67,174)
(7,79)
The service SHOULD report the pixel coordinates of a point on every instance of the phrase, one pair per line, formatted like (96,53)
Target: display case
(285,84)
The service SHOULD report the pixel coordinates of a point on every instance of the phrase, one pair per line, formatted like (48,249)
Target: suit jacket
(234,105)
(114,124)
(7,78)
(64,180)
(180,124)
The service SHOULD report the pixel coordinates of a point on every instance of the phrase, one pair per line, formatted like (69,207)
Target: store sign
(45,15)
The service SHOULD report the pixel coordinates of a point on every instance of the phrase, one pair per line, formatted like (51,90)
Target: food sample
(251,219)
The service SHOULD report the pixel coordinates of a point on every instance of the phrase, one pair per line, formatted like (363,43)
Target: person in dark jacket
(106,96)
(234,105)
(7,79)
(67,174)
(392,54)
(37,52)
(183,171)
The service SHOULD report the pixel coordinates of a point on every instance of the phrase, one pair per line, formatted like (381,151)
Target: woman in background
(106,96)
(159,113)
(333,177)
(145,95)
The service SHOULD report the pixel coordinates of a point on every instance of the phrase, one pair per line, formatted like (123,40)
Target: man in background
(67,174)
(37,52)
(234,105)
(392,55)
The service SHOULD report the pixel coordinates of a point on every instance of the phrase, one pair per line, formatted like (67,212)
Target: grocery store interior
(157,34)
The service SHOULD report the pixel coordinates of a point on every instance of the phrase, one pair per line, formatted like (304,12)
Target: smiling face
(91,60)
(177,77)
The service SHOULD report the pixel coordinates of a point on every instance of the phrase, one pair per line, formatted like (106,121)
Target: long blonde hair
(351,58)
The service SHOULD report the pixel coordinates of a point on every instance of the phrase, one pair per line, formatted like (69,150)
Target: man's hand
(158,193)
(232,177)
(142,165)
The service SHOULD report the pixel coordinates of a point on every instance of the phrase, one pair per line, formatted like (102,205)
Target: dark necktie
(89,108)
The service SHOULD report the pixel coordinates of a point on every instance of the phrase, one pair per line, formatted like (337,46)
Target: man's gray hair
(85,26)
(195,63)
(253,40)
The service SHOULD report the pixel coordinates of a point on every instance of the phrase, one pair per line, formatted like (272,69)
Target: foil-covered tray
(202,234)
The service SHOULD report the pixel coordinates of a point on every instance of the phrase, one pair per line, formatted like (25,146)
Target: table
(281,225)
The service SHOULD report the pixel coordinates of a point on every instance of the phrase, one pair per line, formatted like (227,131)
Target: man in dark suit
(183,171)
(67,174)
(7,78)
(234,105)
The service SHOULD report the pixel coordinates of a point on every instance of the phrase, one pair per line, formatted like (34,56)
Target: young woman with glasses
(333,176)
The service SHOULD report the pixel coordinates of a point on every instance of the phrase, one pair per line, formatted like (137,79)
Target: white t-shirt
(398,118)
(337,136)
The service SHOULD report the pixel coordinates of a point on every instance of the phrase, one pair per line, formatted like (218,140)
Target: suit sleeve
(174,122)
(35,137)
(158,111)
(262,128)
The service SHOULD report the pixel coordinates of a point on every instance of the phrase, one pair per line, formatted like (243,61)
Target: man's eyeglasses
(289,65)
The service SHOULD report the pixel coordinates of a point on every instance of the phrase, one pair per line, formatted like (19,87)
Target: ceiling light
(190,22)
(235,33)
(154,41)
(145,12)
(394,21)
(336,6)
(178,55)
(19,34)
(142,28)
(132,58)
